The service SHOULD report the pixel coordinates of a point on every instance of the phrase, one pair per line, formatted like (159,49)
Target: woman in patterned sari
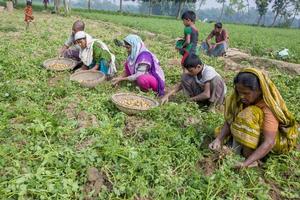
(257,118)
(141,67)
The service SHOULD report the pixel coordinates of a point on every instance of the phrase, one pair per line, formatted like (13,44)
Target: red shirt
(28,13)
(219,36)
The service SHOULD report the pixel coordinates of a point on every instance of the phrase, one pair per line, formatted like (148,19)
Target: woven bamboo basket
(53,64)
(88,78)
(130,110)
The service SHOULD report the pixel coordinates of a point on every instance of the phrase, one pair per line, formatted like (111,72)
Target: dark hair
(248,80)
(218,25)
(79,25)
(192,61)
(126,43)
(28,3)
(189,15)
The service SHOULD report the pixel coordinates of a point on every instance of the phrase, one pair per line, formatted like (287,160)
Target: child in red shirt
(28,14)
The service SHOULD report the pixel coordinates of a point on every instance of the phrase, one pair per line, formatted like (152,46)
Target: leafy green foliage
(258,41)
(46,148)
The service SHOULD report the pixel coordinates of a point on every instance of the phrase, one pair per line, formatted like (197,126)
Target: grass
(48,141)
(258,41)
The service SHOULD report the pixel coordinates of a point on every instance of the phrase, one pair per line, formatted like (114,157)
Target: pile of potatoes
(59,66)
(137,103)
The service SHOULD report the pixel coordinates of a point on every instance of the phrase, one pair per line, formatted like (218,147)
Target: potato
(135,103)
(59,66)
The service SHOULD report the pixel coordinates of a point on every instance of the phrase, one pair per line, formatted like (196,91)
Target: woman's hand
(116,81)
(95,68)
(62,51)
(215,145)
(164,99)
(239,165)
(84,67)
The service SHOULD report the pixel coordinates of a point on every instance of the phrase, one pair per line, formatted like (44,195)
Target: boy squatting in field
(257,120)
(201,84)
(188,45)
(70,49)
(221,45)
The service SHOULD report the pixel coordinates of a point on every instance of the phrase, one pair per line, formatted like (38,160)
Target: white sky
(208,4)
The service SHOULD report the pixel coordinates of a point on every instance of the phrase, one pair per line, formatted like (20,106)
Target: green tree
(262,8)
(296,8)
(222,11)
(279,7)
(89,5)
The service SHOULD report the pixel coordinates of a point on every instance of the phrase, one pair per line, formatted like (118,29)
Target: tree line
(282,12)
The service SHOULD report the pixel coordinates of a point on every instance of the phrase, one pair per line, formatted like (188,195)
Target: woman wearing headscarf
(142,67)
(95,54)
(257,119)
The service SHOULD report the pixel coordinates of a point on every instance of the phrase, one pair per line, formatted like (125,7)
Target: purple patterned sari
(146,57)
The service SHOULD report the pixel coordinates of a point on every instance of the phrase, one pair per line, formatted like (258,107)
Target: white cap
(79,35)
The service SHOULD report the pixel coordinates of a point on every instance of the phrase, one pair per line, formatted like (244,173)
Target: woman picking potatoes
(95,54)
(141,67)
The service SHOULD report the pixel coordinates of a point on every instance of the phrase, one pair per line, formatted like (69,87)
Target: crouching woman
(95,54)
(257,118)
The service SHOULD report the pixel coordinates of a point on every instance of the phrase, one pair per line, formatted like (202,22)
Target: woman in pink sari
(142,67)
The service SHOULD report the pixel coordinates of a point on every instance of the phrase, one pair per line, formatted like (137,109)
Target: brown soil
(132,124)
(17,120)
(86,120)
(206,141)
(274,191)
(174,62)
(142,198)
(96,180)
(298,147)
(50,107)
(70,110)
(55,80)
(192,121)
(84,144)
(210,163)
(235,60)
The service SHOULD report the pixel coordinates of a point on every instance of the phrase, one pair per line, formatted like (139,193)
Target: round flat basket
(132,103)
(59,64)
(88,78)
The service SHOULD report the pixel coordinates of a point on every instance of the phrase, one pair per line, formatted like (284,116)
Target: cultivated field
(52,130)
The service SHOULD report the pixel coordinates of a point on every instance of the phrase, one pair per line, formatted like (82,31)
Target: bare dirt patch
(84,144)
(298,147)
(70,110)
(208,165)
(142,198)
(274,191)
(236,59)
(174,62)
(96,181)
(132,124)
(192,121)
(55,80)
(86,120)
(211,163)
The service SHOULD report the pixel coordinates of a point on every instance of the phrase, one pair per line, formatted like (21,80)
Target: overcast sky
(208,4)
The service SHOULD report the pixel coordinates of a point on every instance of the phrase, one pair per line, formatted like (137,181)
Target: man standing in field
(221,45)
(70,49)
